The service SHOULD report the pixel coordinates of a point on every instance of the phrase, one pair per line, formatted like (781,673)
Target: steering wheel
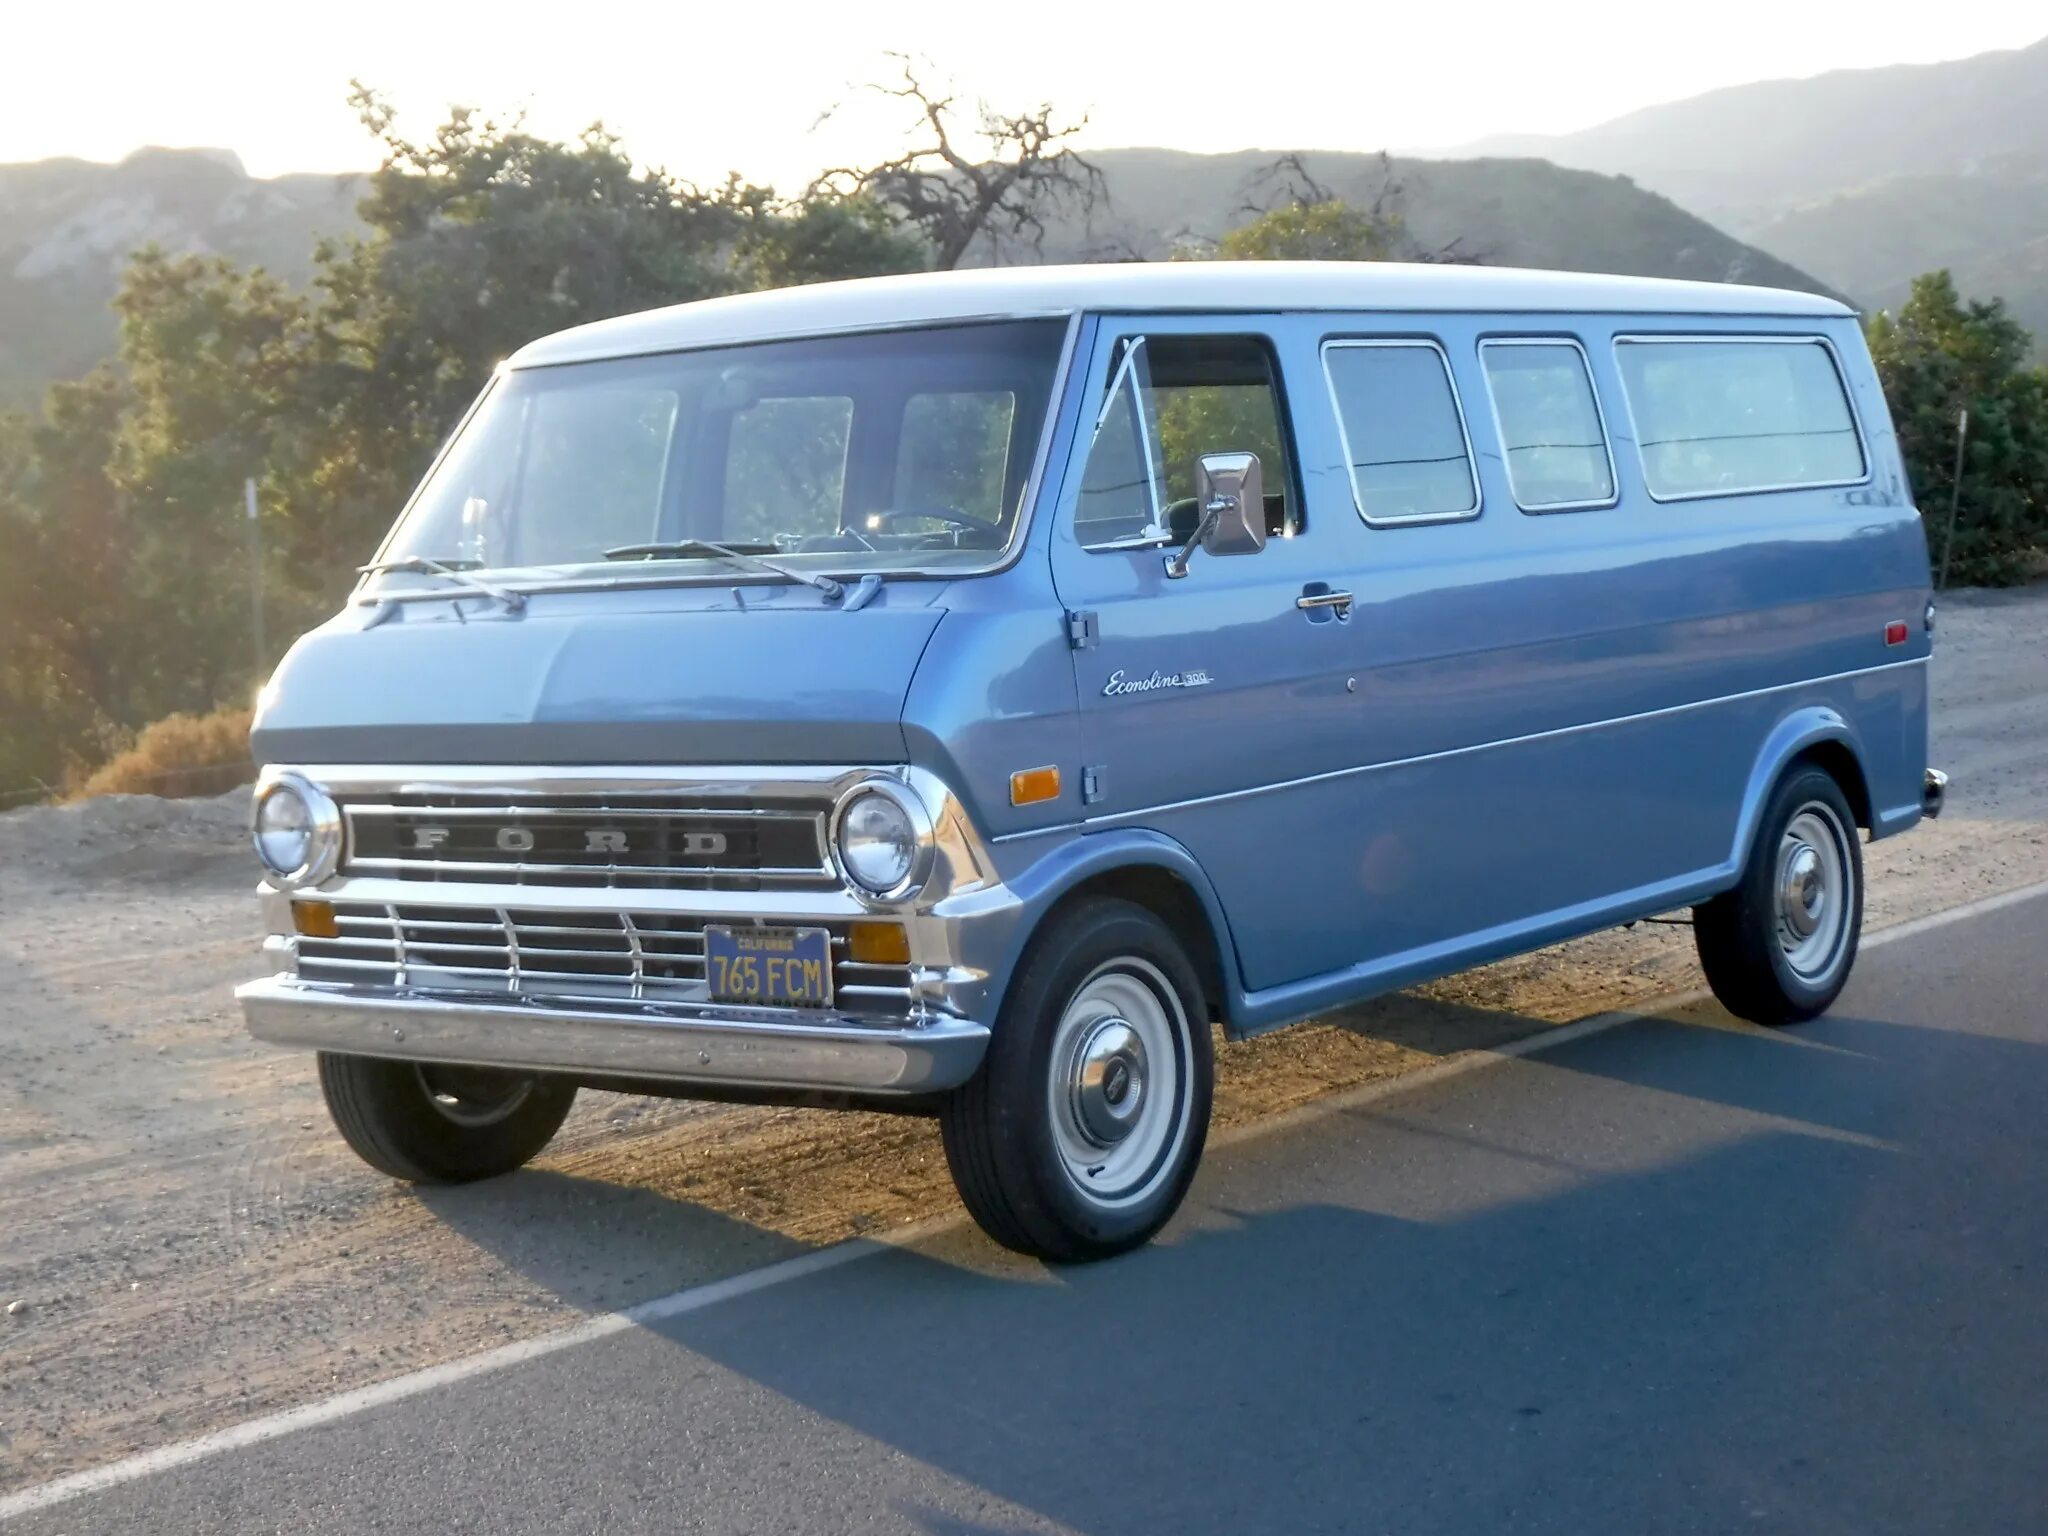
(952,519)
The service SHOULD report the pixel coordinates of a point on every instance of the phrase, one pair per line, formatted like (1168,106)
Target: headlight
(883,839)
(297,830)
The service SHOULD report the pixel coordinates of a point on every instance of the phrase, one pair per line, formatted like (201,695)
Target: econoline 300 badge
(1118,684)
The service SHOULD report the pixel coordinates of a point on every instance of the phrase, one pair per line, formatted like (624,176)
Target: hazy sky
(740,85)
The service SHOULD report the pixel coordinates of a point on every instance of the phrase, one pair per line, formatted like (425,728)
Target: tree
(478,239)
(1011,172)
(123,595)
(66,551)
(216,367)
(1295,217)
(1937,357)
(815,238)
(1327,231)
(486,236)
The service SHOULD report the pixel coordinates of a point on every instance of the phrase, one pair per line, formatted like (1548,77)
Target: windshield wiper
(824,584)
(427,565)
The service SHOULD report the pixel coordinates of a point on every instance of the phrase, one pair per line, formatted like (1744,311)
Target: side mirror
(1230,490)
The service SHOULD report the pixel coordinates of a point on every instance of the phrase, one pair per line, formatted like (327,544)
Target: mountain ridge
(1865,178)
(1514,212)
(67,227)
(1727,152)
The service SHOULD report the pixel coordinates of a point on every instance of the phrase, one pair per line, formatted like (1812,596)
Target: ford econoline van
(960,692)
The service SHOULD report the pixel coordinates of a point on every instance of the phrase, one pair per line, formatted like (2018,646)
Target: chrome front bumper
(436,1001)
(675,1043)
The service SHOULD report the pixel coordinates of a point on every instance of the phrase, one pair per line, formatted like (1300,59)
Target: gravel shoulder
(192,1245)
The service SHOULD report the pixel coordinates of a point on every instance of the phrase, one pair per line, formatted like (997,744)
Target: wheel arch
(1815,734)
(1842,764)
(1157,873)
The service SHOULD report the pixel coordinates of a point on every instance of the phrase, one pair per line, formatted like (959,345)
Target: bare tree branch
(1288,183)
(1026,172)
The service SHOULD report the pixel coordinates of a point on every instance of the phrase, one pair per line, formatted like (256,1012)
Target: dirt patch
(123,837)
(193,1246)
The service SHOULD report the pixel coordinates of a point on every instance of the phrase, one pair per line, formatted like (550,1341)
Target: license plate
(774,967)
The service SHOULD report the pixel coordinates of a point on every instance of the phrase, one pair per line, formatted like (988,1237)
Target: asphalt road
(1678,1276)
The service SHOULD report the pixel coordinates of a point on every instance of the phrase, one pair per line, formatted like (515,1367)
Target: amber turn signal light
(878,944)
(1033,785)
(315,919)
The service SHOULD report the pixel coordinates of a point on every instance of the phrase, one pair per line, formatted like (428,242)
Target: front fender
(1050,879)
(1800,731)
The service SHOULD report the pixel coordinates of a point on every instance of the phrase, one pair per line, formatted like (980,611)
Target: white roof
(1014,292)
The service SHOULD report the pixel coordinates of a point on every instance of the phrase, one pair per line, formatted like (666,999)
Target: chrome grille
(620,839)
(537,953)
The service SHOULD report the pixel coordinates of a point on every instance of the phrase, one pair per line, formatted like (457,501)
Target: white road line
(1977,908)
(398,1388)
(378,1394)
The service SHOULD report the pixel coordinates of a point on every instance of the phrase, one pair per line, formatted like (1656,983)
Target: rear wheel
(441,1124)
(1777,949)
(1080,1134)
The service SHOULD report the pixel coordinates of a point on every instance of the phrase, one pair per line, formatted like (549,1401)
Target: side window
(953,456)
(1717,416)
(1173,399)
(785,468)
(1403,430)
(1550,426)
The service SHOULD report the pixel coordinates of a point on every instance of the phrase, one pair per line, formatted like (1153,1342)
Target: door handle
(1313,599)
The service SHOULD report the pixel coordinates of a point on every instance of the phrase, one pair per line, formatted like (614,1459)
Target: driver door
(1211,703)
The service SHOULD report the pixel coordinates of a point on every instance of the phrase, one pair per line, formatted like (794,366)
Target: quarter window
(1403,430)
(1550,427)
(1715,417)
(1120,483)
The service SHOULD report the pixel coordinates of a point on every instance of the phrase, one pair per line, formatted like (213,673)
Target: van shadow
(1735,1335)
(597,1245)
(1430,1025)
(1597,1302)
(1852,1074)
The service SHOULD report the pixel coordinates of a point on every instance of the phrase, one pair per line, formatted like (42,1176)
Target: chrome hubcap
(1812,891)
(472,1097)
(1109,1082)
(1117,1094)
(1803,895)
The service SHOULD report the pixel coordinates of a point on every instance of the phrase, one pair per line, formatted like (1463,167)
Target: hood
(761,675)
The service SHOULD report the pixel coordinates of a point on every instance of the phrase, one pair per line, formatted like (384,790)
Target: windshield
(902,450)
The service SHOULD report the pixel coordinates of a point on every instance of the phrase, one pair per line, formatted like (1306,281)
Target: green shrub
(1938,357)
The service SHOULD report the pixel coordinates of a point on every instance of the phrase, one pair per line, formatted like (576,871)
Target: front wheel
(1079,1135)
(441,1124)
(1778,947)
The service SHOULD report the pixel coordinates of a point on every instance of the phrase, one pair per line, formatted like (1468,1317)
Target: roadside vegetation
(1940,357)
(126,588)
(178,755)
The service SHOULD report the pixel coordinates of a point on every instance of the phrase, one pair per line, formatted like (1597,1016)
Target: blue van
(959,692)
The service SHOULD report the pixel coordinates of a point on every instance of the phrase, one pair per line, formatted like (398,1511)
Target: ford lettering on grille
(590,845)
(595,840)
